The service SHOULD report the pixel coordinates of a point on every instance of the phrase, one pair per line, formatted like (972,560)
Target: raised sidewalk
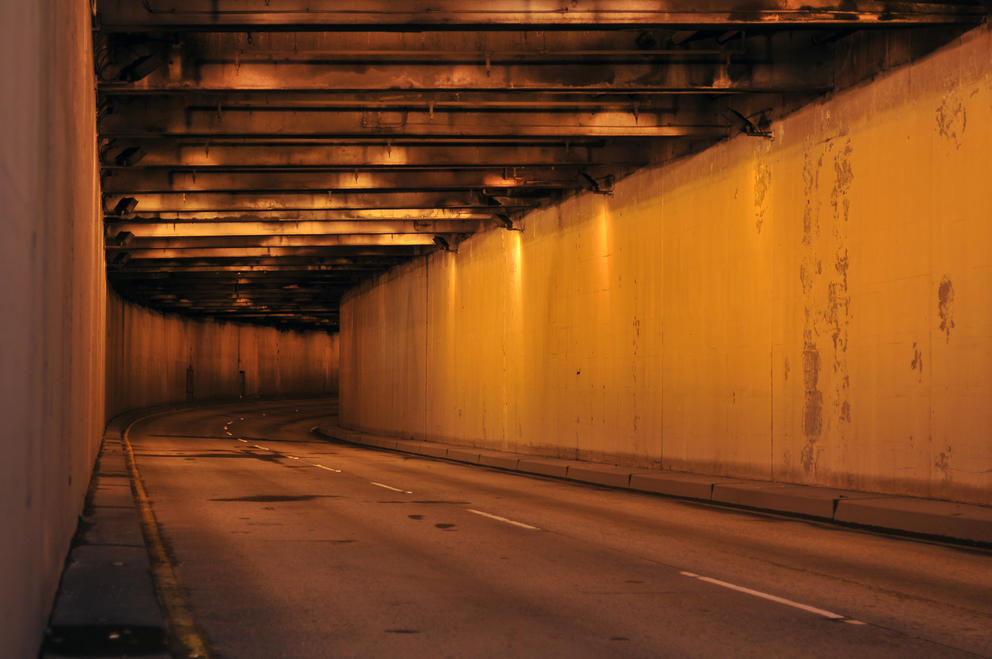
(901,514)
(106,605)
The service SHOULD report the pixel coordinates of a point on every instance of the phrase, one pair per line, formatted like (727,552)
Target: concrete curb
(944,520)
(106,604)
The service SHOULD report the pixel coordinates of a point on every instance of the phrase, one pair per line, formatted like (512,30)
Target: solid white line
(772,598)
(336,471)
(394,489)
(261,447)
(503,519)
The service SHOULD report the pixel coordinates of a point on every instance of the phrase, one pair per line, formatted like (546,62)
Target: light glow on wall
(604,248)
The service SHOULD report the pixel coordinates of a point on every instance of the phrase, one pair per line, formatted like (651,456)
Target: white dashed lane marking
(774,598)
(503,519)
(389,487)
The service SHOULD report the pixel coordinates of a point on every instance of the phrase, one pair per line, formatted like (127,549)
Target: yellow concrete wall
(816,308)
(148,354)
(52,300)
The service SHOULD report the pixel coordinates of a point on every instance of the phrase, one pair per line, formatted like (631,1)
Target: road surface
(289,545)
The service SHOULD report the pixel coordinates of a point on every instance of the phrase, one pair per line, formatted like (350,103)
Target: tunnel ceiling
(260,157)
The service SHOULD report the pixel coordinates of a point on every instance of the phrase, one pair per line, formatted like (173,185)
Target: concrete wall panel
(813,308)
(52,295)
(151,355)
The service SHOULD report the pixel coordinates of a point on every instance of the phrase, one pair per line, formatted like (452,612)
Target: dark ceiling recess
(260,157)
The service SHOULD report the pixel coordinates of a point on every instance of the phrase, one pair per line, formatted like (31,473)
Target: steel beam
(139,245)
(260,15)
(142,230)
(354,256)
(251,252)
(437,80)
(508,44)
(365,157)
(162,270)
(148,117)
(318,215)
(130,182)
(228,202)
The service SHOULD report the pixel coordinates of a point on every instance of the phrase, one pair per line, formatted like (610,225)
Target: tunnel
(622,258)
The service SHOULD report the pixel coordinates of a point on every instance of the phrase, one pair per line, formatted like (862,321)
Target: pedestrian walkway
(106,605)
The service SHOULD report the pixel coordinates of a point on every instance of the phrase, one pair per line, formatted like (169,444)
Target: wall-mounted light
(760,129)
(506,222)
(125,206)
(601,185)
(129,157)
(443,243)
(123,238)
(142,67)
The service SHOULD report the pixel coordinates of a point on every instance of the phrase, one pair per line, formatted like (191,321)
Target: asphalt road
(292,546)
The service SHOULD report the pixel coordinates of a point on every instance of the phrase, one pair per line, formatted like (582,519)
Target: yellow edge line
(170,592)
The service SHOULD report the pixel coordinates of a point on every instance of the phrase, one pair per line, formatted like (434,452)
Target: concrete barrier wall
(52,300)
(155,358)
(816,308)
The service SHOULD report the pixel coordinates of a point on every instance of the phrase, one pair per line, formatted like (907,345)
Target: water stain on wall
(917,363)
(762,181)
(812,406)
(945,307)
(843,177)
(827,299)
(952,119)
(811,183)
(943,463)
